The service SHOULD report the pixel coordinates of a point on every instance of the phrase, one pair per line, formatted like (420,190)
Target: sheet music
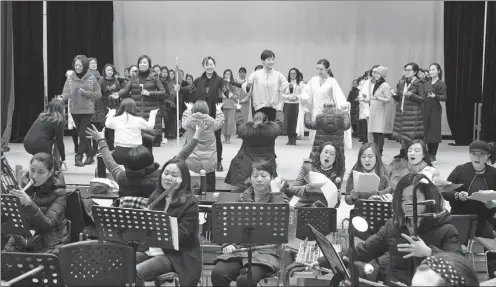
(103,202)
(175,232)
(484,195)
(327,187)
(365,182)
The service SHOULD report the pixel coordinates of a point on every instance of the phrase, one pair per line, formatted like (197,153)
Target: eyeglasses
(408,70)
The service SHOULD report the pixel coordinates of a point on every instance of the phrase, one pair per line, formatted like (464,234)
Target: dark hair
(458,263)
(130,67)
(426,157)
(379,168)
(369,72)
(299,76)
(84,61)
(267,54)
(55,113)
(438,67)
(242,70)
(139,158)
(259,118)
(114,71)
(337,166)
(189,75)
(127,105)
(200,106)
(126,69)
(162,69)
(429,190)
(184,187)
(156,65)
(205,60)
(326,65)
(258,67)
(92,59)
(415,67)
(263,165)
(147,58)
(168,73)
(231,79)
(45,158)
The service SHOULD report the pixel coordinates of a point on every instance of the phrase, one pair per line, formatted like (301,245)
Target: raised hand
(189,106)
(93,133)
(416,248)
(219,106)
(276,185)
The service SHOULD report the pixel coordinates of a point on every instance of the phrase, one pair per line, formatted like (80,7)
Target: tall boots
(291,140)
(79,160)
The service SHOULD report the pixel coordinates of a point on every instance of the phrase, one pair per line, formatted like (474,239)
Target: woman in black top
(109,85)
(47,130)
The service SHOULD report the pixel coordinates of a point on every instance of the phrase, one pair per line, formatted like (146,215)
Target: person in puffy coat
(259,137)
(81,90)
(330,126)
(147,90)
(205,153)
(44,207)
(408,121)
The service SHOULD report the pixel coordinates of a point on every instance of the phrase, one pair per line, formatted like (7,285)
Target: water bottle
(203,182)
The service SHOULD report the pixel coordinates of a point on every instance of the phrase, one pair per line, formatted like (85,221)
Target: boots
(294,139)
(402,154)
(89,159)
(220,168)
(79,160)
(290,140)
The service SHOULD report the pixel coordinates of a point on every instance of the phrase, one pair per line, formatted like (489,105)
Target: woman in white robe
(318,89)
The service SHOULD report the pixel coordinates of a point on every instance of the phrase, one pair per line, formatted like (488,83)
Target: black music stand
(324,219)
(376,213)
(8,177)
(13,219)
(250,224)
(16,264)
(135,227)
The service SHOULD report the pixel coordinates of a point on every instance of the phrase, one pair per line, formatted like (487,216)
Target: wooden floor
(289,159)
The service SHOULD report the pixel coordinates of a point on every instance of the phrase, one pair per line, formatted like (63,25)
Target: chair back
(94,263)
(466,225)
(15,264)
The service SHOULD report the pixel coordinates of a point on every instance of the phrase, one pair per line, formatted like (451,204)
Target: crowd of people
(139,110)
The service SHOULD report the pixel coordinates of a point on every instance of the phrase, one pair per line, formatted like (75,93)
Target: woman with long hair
(259,137)
(146,89)
(128,128)
(47,130)
(229,103)
(81,90)
(292,103)
(434,91)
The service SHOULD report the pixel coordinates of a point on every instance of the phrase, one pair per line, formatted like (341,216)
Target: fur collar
(266,129)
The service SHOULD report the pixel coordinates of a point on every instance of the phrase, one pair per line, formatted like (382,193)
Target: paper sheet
(484,195)
(103,202)
(327,187)
(365,182)
(175,232)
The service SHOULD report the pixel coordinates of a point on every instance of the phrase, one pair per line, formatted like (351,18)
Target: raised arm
(150,124)
(188,148)
(114,169)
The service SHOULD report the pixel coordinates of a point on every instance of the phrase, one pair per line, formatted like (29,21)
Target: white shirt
(128,128)
(267,88)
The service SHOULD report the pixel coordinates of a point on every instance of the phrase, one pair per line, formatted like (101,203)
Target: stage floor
(289,160)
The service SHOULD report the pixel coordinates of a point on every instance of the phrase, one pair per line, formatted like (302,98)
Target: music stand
(376,213)
(8,177)
(13,218)
(324,219)
(134,227)
(250,224)
(19,268)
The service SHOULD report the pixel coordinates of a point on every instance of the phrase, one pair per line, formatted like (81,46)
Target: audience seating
(94,263)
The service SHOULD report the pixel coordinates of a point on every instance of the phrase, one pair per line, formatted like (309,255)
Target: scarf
(417,167)
(377,85)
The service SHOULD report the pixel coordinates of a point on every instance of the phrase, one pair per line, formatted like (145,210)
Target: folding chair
(466,225)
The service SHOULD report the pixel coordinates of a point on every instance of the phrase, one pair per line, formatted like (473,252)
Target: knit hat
(480,146)
(381,70)
(138,158)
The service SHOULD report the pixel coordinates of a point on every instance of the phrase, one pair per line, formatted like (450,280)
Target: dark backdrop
(463,42)
(28,66)
(74,28)
(489,96)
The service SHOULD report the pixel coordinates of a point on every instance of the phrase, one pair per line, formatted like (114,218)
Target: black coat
(438,233)
(433,110)
(258,144)
(409,123)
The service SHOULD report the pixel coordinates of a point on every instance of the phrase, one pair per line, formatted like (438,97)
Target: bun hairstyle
(326,65)
(259,118)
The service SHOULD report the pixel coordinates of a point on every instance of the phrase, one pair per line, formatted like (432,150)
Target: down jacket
(409,123)
(258,144)
(81,102)
(46,216)
(205,153)
(145,104)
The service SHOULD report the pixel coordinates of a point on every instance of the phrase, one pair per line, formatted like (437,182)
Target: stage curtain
(7,72)
(352,35)
(74,28)
(28,66)
(489,91)
(463,40)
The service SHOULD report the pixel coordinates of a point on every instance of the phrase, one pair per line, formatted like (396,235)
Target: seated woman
(259,138)
(48,129)
(44,207)
(369,161)
(205,152)
(445,269)
(396,170)
(326,162)
(178,202)
(141,173)
(417,156)
(475,175)
(434,234)
(128,128)
(232,266)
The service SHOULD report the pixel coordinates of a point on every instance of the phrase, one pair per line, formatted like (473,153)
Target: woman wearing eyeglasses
(475,176)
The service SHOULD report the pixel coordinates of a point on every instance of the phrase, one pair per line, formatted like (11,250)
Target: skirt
(229,128)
